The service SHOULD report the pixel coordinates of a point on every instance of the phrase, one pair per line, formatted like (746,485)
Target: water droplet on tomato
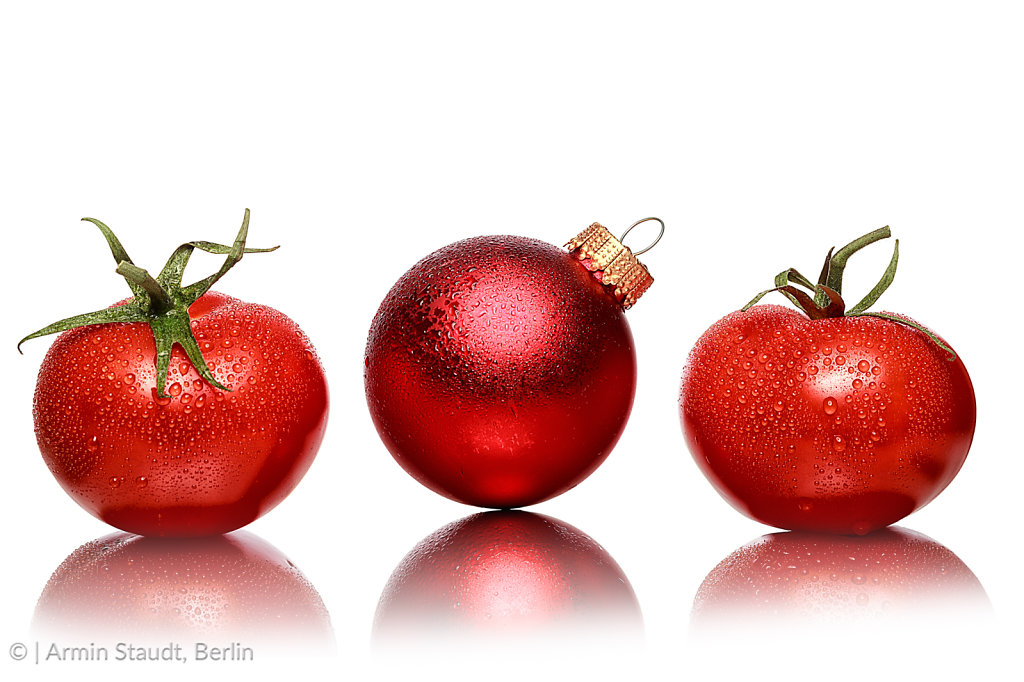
(838,444)
(864,365)
(175,389)
(830,405)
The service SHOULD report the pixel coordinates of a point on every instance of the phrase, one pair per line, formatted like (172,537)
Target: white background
(365,135)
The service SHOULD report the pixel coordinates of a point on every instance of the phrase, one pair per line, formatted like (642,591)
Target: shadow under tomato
(224,589)
(507,575)
(799,579)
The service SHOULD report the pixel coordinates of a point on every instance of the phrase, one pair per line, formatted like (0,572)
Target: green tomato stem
(161,302)
(827,298)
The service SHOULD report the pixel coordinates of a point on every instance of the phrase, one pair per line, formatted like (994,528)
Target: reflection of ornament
(814,578)
(227,587)
(508,572)
(500,371)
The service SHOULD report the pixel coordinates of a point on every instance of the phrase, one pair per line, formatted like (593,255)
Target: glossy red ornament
(506,572)
(500,371)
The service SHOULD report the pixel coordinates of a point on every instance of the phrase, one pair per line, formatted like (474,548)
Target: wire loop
(657,239)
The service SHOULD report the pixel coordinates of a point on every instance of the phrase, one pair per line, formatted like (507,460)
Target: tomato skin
(199,461)
(840,425)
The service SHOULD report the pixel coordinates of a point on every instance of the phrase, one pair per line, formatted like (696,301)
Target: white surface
(365,135)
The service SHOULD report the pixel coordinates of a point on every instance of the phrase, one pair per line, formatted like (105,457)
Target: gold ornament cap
(612,262)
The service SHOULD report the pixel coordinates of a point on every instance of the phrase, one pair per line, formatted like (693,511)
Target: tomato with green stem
(826,418)
(179,411)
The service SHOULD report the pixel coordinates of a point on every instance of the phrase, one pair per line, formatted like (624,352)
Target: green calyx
(825,298)
(161,302)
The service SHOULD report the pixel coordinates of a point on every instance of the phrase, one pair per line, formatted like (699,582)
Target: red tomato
(200,460)
(841,424)
(173,445)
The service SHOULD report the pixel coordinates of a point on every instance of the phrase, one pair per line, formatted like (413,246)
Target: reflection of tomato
(505,571)
(823,420)
(809,576)
(236,586)
(146,440)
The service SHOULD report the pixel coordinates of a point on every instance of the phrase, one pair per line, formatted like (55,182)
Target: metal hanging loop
(657,239)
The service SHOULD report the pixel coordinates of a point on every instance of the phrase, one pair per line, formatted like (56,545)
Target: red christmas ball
(500,371)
